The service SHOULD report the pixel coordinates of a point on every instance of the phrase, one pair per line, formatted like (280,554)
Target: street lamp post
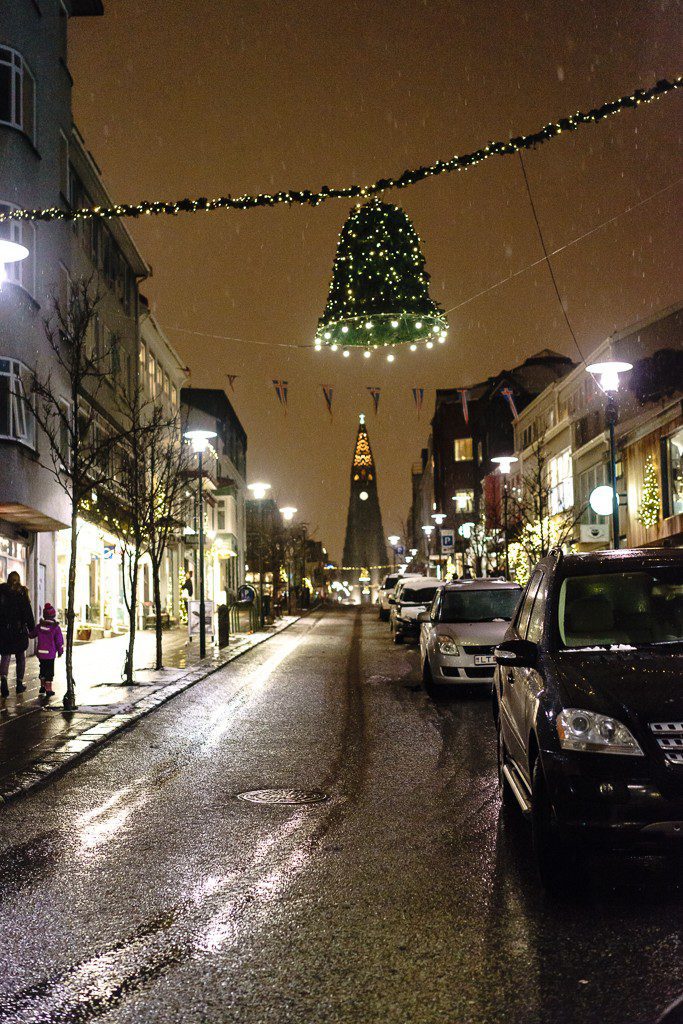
(608,372)
(200,440)
(504,462)
(428,529)
(259,490)
(288,513)
(438,518)
(393,541)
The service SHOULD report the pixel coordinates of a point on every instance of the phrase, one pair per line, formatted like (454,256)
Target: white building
(35,126)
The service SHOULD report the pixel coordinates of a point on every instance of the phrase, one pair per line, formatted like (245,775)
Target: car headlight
(446,645)
(593,733)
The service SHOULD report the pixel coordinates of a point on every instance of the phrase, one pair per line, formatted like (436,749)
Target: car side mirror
(424,617)
(516,654)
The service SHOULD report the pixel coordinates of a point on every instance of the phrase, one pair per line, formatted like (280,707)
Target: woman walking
(16,622)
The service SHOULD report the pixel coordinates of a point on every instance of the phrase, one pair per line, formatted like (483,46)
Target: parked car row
(585,667)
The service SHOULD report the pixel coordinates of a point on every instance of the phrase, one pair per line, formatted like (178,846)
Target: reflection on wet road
(139,888)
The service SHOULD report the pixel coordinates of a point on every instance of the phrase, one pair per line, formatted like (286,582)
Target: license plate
(484,659)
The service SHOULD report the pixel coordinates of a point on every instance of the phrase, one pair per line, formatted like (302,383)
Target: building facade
(35,129)
(225,489)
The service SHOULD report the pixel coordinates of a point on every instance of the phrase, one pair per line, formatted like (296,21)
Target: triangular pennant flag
(328,391)
(507,394)
(463,398)
(375,392)
(418,398)
(232,377)
(281,390)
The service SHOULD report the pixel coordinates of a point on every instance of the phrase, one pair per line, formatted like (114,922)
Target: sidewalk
(38,740)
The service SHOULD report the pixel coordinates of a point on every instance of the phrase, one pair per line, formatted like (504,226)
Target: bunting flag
(232,377)
(328,391)
(507,394)
(375,392)
(463,392)
(418,398)
(281,390)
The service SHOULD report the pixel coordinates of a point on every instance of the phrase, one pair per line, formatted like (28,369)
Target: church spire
(364,547)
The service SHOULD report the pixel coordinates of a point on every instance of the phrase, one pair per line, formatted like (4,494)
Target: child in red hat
(50,646)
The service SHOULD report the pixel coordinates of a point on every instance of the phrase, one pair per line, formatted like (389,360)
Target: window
(174,395)
(561,482)
(220,516)
(625,608)
(527,605)
(464,501)
(535,630)
(480,605)
(16,420)
(151,375)
(17,92)
(674,473)
(23,272)
(462,449)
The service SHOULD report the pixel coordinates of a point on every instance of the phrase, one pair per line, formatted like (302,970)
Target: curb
(80,746)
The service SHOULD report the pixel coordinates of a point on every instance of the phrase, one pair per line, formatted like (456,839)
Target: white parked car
(413,595)
(467,619)
(385,591)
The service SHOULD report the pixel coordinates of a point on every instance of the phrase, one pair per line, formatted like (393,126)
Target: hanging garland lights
(379,295)
(409,177)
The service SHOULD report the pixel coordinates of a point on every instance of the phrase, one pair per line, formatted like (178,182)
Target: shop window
(17,93)
(22,272)
(674,472)
(16,418)
(462,449)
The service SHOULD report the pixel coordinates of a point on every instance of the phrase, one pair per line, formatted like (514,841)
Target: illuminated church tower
(364,547)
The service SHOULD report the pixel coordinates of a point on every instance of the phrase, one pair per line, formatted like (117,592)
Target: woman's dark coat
(16,619)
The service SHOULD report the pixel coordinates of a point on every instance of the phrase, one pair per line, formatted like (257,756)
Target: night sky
(203,98)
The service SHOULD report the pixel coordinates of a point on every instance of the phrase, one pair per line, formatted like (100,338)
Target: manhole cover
(283,796)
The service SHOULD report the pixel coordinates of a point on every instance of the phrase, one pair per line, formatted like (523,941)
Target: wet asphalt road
(139,888)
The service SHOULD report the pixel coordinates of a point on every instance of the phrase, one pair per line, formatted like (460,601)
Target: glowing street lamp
(601,500)
(259,490)
(394,540)
(288,512)
(608,373)
(199,439)
(10,252)
(504,463)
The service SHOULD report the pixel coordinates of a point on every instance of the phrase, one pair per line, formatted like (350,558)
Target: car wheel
(428,681)
(383,615)
(555,858)
(398,638)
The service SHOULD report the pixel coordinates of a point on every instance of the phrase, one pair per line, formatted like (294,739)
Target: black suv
(588,703)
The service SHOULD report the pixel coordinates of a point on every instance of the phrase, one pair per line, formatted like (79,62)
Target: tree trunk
(70,695)
(132,617)
(157,612)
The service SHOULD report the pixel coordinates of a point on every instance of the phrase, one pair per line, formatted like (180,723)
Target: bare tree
(166,460)
(62,398)
(130,525)
(540,518)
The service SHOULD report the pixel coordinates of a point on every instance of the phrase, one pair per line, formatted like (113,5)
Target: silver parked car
(467,619)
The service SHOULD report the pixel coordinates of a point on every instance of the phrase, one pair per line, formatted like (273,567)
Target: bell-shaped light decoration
(379,295)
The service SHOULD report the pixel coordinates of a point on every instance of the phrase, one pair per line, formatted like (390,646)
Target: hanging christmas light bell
(379,295)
